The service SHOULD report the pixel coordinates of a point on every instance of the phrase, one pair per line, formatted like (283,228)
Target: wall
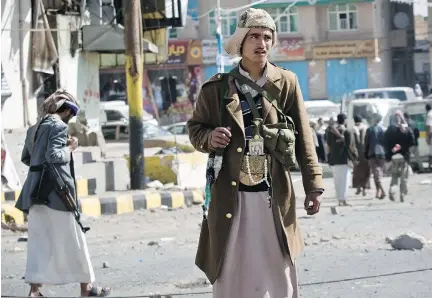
(317,79)
(365,24)
(79,72)
(419,60)
(13,112)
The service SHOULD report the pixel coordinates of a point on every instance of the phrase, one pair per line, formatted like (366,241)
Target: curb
(118,203)
(85,187)
(130,202)
(9,212)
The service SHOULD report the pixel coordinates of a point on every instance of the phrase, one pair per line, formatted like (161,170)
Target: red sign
(288,49)
(177,51)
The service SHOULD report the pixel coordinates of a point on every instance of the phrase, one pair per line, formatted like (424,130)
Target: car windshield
(322,112)
(153,131)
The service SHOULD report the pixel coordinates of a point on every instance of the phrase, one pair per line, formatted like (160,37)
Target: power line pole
(219,59)
(134,77)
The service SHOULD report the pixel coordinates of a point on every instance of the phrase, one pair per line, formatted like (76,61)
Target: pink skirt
(255,265)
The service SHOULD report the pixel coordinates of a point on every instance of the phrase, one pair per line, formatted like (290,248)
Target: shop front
(172,87)
(346,66)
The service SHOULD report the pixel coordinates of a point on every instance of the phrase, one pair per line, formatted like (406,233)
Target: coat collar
(273,88)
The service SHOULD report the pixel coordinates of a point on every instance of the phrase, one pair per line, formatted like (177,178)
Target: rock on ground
(408,241)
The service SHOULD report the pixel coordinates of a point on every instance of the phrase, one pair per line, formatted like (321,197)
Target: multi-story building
(334,47)
(330,45)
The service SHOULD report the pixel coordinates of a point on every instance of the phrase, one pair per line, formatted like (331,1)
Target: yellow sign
(176,50)
(344,49)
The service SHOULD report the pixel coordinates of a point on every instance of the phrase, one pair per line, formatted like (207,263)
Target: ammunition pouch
(279,140)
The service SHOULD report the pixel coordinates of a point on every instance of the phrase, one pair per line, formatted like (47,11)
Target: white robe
(342,177)
(57,250)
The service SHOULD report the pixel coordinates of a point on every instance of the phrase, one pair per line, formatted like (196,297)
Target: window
(343,17)
(228,20)
(288,21)
(172,33)
(114,115)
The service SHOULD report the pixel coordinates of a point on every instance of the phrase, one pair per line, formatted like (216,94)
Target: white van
(401,93)
(324,109)
(417,113)
(367,107)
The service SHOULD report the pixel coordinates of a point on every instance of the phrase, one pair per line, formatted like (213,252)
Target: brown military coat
(283,85)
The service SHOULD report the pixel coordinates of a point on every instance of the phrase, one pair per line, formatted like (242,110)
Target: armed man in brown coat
(253,123)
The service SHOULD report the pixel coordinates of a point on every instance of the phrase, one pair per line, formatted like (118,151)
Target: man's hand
(220,137)
(72,142)
(312,203)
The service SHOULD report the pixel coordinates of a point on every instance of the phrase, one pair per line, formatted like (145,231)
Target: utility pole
(219,59)
(134,77)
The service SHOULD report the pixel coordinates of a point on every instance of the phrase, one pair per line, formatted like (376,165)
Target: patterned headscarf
(398,119)
(53,103)
(251,18)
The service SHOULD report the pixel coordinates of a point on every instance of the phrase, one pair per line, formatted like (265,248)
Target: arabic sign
(344,49)
(288,49)
(177,51)
(194,53)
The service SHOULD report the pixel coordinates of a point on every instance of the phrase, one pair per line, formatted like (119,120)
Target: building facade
(334,47)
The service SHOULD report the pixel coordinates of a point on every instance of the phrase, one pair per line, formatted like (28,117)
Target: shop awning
(109,39)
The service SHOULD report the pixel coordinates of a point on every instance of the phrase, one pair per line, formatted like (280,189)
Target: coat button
(228,215)
(239,149)
(233,183)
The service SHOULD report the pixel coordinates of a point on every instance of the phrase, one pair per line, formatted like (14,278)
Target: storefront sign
(184,52)
(177,51)
(195,53)
(210,52)
(288,49)
(344,49)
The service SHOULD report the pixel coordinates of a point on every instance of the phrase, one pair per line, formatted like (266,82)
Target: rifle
(63,191)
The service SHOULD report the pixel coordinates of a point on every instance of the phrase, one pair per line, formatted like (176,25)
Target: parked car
(177,128)
(116,116)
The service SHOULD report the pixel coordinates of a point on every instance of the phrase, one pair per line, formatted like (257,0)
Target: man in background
(415,149)
(342,152)
(429,132)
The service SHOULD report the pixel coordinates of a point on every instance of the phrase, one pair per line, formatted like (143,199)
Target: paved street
(346,254)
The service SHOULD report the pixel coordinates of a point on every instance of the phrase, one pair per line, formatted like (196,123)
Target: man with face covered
(250,236)
(57,250)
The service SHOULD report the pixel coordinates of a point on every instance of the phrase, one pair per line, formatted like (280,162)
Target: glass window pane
(333,21)
(212,14)
(294,23)
(233,25)
(342,7)
(353,20)
(352,7)
(212,27)
(333,8)
(293,10)
(283,27)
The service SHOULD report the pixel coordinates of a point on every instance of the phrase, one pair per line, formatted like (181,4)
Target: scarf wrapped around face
(53,103)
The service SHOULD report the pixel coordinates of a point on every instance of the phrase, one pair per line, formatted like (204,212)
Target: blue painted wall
(301,69)
(345,78)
